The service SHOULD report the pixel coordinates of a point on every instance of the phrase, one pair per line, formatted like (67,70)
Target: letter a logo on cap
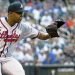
(21,6)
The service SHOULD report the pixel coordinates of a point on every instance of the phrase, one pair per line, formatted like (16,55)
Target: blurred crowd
(39,14)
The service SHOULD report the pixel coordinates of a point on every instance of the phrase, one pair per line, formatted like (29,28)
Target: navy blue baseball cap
(15,7)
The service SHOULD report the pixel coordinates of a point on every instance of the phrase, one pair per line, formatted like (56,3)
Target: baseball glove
(52,29)
(59,23)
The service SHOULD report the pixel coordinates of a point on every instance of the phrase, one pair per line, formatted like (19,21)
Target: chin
(18,21)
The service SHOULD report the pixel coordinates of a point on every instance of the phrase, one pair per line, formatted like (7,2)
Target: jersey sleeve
(29,31)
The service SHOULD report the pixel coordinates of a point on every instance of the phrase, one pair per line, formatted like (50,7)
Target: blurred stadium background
(50,57)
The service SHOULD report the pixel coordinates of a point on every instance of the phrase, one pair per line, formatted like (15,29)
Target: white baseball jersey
(10,35)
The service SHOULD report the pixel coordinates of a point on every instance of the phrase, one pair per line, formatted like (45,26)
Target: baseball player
(12,30)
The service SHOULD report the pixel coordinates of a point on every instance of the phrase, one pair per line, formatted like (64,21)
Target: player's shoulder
(25,27)
(3,17)
(26,24)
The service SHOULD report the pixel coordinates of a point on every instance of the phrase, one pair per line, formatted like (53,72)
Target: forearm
(43,36)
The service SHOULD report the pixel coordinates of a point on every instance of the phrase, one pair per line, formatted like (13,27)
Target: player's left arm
(33,33)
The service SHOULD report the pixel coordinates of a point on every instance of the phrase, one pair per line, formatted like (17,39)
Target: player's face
(18,16)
